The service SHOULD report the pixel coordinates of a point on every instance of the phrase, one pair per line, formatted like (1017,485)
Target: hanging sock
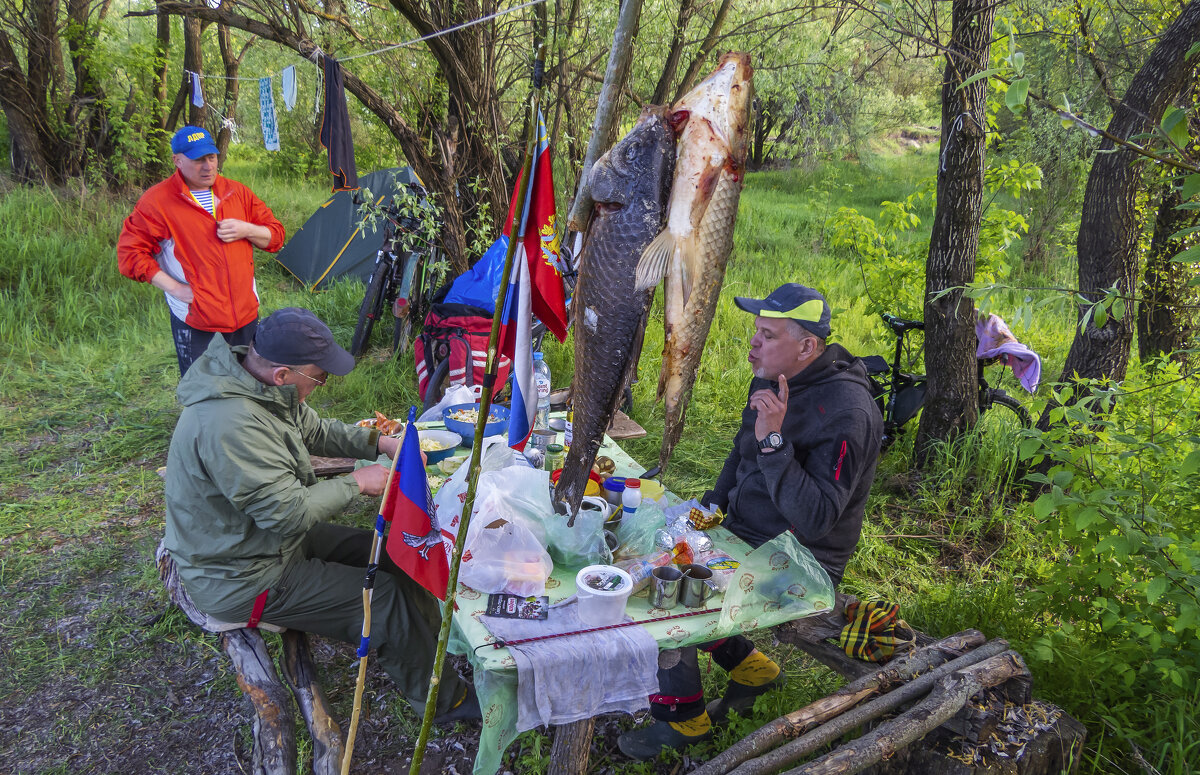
(266,111)
(335,129)
(288,83)
(197,92)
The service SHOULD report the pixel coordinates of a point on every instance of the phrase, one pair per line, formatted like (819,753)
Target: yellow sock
(693,727)
(755,670)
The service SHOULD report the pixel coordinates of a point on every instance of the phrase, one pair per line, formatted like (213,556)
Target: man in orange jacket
(193,236)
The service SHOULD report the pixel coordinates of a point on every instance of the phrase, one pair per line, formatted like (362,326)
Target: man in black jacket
(803,460)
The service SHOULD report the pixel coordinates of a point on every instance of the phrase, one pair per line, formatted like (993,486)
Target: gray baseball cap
(294,336)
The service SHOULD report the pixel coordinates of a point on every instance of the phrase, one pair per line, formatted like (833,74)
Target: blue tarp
(480,285)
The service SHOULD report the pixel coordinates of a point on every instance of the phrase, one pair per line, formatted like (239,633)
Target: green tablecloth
(495,669)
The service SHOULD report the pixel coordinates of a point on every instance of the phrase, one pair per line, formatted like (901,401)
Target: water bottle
(541,379)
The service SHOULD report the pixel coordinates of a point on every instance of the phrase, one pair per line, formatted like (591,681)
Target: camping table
(495,669)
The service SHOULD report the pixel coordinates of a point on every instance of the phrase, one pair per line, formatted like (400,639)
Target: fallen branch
(882,680)
(947,699)
(832,730)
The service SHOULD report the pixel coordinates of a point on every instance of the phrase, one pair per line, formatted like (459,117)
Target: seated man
(803,460)
(246,515)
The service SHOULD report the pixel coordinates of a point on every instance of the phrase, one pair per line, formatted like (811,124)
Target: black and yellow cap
(794,302)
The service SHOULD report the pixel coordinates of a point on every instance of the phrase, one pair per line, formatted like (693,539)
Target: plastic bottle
(567,434)
(541,379)
(631,496)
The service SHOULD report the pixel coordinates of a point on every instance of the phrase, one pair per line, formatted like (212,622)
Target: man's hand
(771,408)
(389,445)
(371,479)
(172,287)
(232,230)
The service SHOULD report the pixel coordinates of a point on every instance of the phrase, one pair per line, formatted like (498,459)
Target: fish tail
(653,265)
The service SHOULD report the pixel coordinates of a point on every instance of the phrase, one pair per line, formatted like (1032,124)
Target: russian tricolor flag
(518,345)
(416,542)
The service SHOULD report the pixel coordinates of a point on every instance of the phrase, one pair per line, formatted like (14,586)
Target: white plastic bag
(448,501)
(505,548)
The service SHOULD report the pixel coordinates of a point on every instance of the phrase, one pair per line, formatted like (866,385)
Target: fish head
(723,100)
(638,169)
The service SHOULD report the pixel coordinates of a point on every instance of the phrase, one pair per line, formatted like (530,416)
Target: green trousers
(322,593)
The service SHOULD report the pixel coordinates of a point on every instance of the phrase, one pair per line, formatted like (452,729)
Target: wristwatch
(772,443)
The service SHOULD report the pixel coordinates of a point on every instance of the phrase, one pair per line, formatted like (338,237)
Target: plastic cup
(603,591)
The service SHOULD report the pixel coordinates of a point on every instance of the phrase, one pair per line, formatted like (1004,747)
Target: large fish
(693,250)
(630,185)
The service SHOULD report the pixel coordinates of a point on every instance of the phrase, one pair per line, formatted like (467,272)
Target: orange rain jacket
(169,230)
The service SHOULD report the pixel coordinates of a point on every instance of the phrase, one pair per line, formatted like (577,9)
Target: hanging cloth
(197,92)
(288,84)
(266,111)
(335,129)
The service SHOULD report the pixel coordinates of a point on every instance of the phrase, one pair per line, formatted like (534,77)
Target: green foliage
(892,255)
(1121,515)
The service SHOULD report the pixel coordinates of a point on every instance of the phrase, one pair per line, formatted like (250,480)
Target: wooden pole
(368,591)
(606,110)
(485,405)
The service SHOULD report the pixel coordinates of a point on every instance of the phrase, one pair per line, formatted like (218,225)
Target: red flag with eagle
(541,239)
(416,542)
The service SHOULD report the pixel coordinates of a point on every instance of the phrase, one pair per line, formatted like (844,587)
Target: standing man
(803,460)
(192,236)
(247,517)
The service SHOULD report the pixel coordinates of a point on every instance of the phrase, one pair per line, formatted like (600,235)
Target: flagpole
(485,404)
(368,593)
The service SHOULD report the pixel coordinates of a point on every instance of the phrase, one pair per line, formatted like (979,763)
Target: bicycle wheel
(368,312)
(998,398)
(439,380)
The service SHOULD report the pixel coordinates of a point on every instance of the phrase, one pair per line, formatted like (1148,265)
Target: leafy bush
(1121,515)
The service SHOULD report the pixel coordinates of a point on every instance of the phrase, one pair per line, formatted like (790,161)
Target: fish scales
(630,185)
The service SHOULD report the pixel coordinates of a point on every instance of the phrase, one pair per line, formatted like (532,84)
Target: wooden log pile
(956,706)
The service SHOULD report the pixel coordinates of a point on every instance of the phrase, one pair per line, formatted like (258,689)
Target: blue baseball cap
(193,142)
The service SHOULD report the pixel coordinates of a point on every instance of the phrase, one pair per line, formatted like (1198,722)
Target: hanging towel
(266,111)
(335,129)
(288,84)
(197,92)
(997,341)
(568,679)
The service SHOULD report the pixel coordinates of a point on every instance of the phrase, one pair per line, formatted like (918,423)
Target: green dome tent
(330,244)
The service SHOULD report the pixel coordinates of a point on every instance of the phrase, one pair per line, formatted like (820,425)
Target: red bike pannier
(459,332)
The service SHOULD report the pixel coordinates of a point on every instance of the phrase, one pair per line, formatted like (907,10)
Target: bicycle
(901,396)
(404,277)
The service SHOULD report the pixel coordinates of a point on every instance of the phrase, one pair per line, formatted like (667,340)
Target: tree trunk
(706,46)
(193,60)
(1165,324)
(571,747)
(162,64)
(951,402)
(1108,228)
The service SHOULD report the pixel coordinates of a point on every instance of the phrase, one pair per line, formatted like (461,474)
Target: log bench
(274,726)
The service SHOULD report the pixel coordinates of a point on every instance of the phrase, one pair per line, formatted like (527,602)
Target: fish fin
(653,265)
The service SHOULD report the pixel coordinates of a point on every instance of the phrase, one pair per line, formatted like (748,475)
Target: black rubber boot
(648,742)
(739,698)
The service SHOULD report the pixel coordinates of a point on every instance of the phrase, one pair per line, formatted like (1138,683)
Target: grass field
(97,668)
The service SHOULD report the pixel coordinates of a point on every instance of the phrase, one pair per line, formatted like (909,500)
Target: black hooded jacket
(817,485)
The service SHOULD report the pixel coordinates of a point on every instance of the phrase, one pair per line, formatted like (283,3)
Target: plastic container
(554,457)
(541,380)
(640,568)
(613,487)
(603,591)
(631,496)
(497,422)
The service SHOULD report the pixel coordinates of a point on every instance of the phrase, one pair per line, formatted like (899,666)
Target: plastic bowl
(498,424)
(448,440)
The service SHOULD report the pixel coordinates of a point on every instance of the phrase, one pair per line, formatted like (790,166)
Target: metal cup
(664,589)
(540,439)
(694,589)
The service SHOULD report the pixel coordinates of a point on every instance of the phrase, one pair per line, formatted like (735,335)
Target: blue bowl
(498,422)
(447,440)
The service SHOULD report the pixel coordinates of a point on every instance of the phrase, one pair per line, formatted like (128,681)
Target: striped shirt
(204,198)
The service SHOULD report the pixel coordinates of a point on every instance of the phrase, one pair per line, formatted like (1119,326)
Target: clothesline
(414,41)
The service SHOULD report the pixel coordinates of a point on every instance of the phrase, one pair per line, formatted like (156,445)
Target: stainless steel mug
(694,588)
(664,589)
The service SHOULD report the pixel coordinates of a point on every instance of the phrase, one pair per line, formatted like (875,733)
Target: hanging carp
(630,185)
(693,250)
